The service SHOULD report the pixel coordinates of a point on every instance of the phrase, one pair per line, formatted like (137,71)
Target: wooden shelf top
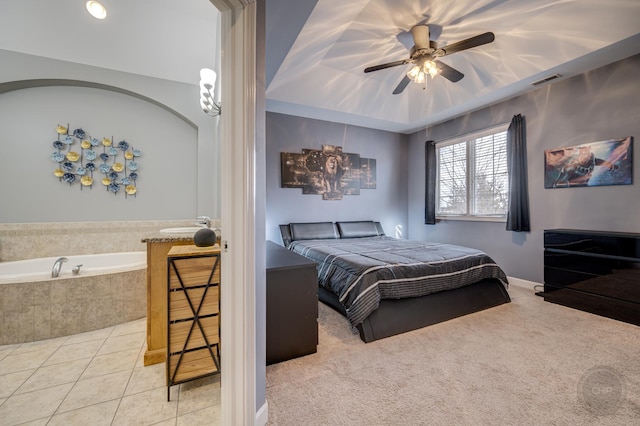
(191,250)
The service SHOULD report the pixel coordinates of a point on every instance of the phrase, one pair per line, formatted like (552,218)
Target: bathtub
(92,264)
(110,289)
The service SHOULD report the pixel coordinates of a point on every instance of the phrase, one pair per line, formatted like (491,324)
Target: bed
(386,286)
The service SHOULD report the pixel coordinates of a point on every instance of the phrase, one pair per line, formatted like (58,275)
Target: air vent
(544,80)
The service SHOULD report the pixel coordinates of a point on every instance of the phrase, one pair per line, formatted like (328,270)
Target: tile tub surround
(41,310)
(20,241)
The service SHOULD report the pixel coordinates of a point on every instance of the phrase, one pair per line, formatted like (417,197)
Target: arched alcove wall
(179,142)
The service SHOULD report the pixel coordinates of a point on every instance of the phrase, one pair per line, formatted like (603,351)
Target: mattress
(363,271)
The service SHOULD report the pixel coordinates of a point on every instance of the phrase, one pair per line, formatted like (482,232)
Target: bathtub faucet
(204,221)
(76,269)
(57,265)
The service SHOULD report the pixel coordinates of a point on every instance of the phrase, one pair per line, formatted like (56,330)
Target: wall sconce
(207,87)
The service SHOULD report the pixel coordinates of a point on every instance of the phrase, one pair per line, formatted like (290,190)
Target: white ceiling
(317,49)
(167,39)
(321,70)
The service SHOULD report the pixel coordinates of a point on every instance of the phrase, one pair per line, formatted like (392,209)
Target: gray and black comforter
(362,271)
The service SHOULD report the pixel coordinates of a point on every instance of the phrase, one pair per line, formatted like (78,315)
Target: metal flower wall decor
(78,156)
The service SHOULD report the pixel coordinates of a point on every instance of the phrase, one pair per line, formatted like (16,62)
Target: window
(472,176)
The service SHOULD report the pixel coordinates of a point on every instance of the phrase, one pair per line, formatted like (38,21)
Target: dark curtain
(518,214)
(430,183)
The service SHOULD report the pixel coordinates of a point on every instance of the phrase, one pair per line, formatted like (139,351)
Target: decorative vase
(205,237)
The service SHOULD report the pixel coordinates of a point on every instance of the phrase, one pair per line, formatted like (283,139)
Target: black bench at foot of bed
(395,316)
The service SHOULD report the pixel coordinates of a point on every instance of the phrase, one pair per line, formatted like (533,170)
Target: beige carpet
(528,362)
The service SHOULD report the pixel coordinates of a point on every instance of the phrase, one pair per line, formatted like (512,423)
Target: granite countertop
(167,238)
(160,237)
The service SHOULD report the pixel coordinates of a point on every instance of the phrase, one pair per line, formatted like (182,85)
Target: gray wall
(599,105)
(28,118)
(387,203)
(180,154)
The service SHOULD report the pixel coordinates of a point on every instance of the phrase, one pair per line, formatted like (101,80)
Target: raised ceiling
(317,51)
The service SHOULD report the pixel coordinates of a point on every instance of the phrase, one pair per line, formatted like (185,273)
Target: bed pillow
(313,231)
(359,229)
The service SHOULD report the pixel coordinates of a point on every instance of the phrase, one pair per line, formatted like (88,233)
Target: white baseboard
(262,415)
(518,282)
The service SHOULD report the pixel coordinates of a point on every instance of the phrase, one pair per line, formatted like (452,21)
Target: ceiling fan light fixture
(418,73)
(96,9)
(420,78)
(430,68)
(414,72)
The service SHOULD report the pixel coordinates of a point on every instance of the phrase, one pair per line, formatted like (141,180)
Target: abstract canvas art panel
(599,163)
(367,173)
(293,170)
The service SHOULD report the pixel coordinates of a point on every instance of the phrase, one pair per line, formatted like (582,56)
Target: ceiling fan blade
(420,35)
(402,85)
(388,65)
(448,72)
(478,40)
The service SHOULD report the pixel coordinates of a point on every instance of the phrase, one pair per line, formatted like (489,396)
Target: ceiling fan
(425,53)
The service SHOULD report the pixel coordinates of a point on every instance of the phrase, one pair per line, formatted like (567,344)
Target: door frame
(238,212)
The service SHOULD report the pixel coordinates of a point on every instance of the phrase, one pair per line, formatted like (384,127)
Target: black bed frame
(395,316)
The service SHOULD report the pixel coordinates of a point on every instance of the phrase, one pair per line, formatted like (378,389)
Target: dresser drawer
(594,271)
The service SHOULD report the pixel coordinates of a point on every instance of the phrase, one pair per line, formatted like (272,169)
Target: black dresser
(292,304)
(594,271)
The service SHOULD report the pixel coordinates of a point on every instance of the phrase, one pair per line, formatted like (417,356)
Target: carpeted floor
(528,362)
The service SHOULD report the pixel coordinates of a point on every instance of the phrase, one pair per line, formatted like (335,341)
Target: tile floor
(98,378)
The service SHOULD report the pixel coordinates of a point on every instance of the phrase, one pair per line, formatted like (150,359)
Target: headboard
(359,229)
(329,230)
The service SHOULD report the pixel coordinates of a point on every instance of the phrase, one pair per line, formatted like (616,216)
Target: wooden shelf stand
(193,319)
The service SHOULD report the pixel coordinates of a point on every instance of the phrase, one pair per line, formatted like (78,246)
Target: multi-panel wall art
(600,163)
(329,172)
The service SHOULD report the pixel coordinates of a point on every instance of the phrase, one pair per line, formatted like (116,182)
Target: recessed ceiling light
(96,9)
